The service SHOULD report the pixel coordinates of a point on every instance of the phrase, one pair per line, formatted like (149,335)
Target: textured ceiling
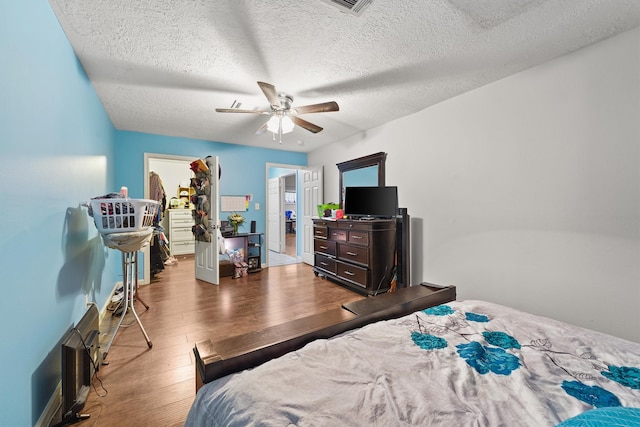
(163,66)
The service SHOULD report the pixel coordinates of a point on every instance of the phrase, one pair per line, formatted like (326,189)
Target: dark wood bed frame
(215,360)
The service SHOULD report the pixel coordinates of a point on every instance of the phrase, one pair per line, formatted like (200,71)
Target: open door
(312,196)
(275,219)
(207,253)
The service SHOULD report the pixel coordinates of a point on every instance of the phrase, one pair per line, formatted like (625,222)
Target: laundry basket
(123,215)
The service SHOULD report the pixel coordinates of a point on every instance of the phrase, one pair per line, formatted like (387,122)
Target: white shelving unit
(178,224)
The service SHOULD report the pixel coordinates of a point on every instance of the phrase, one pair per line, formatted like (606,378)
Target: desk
(290,225)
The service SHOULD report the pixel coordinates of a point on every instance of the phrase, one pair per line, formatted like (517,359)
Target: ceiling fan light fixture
(273,124)
(280,124)
(287,124)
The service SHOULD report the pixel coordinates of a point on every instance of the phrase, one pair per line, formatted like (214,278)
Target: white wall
(173,173)
(526,192)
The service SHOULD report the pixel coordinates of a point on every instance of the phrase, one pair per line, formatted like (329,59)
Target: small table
(291,225)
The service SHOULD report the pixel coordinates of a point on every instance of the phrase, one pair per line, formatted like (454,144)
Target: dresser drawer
(182,233)
(359,237)
(323,223)
(325,263)
(352,273)
(182,222)
(337,234)
(184,247)
(324,246)
(180,213)
(320,232)
(352,253)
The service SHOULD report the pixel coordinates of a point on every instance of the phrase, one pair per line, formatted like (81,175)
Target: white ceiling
(163,66)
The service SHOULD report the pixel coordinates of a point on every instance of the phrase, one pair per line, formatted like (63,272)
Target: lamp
(279,124)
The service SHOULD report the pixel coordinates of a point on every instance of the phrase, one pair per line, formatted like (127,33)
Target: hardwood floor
(156,387)
(290,244)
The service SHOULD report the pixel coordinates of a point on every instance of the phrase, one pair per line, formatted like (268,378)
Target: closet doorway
(175,174)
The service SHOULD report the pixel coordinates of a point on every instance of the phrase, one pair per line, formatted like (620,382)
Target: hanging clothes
(158,254)
(157,193)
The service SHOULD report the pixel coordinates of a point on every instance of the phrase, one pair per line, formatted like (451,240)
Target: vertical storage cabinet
(254,252)
(178,227)
(245,247)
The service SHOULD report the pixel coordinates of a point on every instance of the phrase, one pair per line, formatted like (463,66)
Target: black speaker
(403,247)
(253,226)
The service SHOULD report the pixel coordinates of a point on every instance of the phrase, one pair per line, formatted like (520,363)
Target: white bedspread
(465,363)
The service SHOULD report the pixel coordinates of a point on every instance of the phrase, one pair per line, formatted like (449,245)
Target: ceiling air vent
(354,7)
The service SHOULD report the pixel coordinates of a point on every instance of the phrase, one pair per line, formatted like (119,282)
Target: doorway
(175,174)
(282,214)
(308,194)
(290,214)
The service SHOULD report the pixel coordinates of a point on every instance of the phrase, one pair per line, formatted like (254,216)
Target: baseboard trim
(53,405)
(55,401)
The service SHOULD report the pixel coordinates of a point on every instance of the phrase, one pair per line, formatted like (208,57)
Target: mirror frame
(377,159)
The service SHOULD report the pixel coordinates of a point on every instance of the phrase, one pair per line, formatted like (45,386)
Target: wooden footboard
(215,360)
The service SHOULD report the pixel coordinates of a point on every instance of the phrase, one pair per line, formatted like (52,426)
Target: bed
(462,363)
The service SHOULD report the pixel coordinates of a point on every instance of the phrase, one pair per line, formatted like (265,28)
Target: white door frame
(297,168)
(146,278)
(275,218)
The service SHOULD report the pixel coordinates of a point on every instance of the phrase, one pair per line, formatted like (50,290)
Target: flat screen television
(371,202)
(79,362)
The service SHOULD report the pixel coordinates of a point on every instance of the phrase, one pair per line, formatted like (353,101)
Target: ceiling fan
(284,117)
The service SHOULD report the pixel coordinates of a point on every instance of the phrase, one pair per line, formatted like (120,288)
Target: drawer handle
(357,237)
(348,273)
(324,247)
(323,263)
(352,253)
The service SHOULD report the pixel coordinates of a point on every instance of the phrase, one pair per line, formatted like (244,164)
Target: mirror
(367,171)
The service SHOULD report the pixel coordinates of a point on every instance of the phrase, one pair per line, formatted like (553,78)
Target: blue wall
(243,168)
(56,152)
(58,149)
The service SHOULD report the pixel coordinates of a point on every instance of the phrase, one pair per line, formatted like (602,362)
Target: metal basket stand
(130,285)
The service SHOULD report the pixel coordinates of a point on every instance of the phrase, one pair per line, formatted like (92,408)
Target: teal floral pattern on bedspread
(497,352)
(485,359)
(439,310)
(625,375)
(427,341)
(474,317)
(593,395)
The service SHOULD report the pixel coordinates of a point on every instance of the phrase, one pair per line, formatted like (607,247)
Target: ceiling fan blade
(270,92)
(305,124)
(324,107)
(238,110)
(262,129)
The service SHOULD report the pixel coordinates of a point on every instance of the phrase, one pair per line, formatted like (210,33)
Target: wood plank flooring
(156,387)
(290,244)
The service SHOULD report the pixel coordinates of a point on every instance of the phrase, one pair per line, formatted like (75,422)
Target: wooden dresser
(357,254)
